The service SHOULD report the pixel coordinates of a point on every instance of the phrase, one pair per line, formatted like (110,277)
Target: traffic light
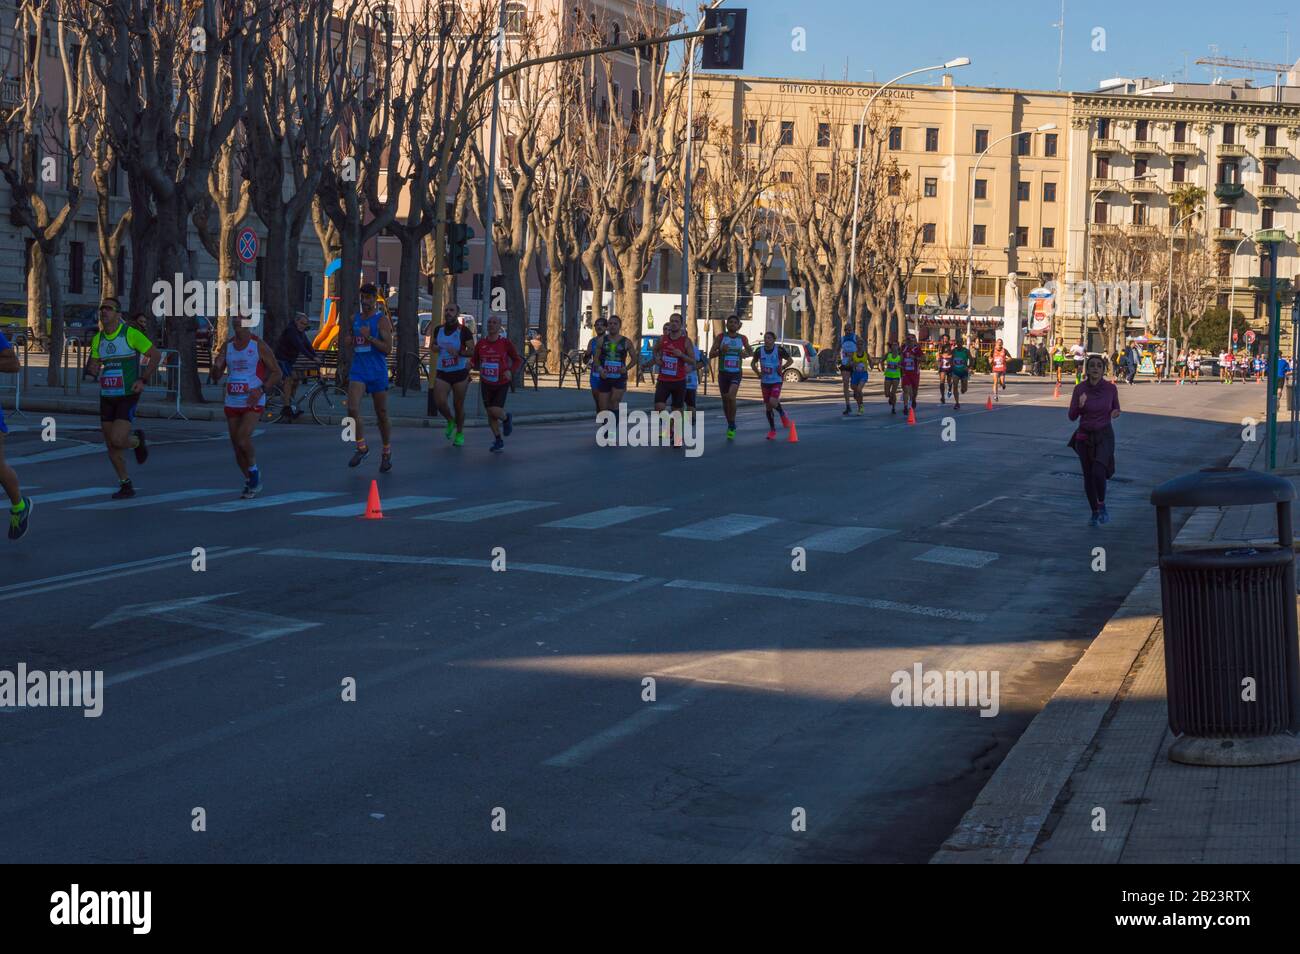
(458,236)
(726,51)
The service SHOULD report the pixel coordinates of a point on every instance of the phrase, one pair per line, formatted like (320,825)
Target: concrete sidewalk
(1101,743)
(545,404)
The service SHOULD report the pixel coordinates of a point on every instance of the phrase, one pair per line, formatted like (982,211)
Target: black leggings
(1097,458)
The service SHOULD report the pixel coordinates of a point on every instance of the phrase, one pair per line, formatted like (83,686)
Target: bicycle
(324,399)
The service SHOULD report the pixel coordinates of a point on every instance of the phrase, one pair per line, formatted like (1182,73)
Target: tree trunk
(408,307)
(54,373)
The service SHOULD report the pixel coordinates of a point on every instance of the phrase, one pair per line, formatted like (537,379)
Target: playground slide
(328,335)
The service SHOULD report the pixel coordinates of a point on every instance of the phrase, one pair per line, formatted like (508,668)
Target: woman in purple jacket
(1094,404)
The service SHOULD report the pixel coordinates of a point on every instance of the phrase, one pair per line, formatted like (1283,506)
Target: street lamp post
(1169,308)
(857,164)
(970,262)
(1233,292)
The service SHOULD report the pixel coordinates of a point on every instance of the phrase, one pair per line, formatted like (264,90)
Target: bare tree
(35,135)
(228,201)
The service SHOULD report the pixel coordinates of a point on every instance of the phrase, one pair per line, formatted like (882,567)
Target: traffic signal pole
(1274,352)
(491,184)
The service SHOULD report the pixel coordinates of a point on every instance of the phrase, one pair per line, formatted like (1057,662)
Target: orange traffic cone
(911,415)
(988,403)
(373,511)
(794,433)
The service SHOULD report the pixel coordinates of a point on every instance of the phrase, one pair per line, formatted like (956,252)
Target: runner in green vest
(893,375)
(122,357)
(961,362)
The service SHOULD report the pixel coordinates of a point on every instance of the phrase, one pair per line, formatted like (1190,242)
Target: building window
(981,140)
(1225,217)
(823,135)
(895,138)
(76,267)
(927,233)
(979,236)
(1103,128)
(1103,168)
(981,188)
(1270,172)
(751,131)
(1049,144)
(823,183)
(1142,127)
(787,177)
(1139,214)
(516,17)
(895,186)
(1022,236)
(1022,191)
(931,188)
(1180,132)
(787,133)
(1024,144)
(1229,134)
(1266,218)
(1180,170)
(1270,135)
(1049,238)
(1139,168)
(1049,191)
(857,136)
(1229,173)
(1100,213)
(931,139)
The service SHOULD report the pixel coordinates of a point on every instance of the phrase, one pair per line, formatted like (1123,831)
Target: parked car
(804,357)
(79,323)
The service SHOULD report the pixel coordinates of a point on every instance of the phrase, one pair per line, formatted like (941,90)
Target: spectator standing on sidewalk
(1094,404)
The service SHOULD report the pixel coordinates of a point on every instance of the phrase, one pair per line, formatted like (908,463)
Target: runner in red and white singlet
(998,361)
(910,364)
(675,355)
(253,369)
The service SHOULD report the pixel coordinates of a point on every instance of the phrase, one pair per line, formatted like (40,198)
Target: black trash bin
(1232,665)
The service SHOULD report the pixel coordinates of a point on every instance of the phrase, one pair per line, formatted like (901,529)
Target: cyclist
(291,345)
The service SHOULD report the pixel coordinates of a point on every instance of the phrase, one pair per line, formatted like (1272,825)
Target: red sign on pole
(1250,337)
(1234,337)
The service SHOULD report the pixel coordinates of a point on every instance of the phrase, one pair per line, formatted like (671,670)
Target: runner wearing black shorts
(675,355)
(122,358)
(497,361)
(731,349)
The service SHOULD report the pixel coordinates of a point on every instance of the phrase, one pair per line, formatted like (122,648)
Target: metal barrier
(17,386)
(166,378)
(78,351)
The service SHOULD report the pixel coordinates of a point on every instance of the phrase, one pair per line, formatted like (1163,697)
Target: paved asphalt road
(522,690)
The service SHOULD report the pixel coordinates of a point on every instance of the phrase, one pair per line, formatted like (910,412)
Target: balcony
(1144,229)
(1230,150)
(1228,235)
(1105,228)
(1106,145)
(1144,147)
(1103,185)
(1272,192)
(1182,149)
(1229,191)
(1274,152)
(1173,187)
(1141,186)
(1270,237)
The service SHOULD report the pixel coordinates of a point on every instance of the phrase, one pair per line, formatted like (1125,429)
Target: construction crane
(1254,66)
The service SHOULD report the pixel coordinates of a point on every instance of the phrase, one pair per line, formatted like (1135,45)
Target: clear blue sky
(1013,42)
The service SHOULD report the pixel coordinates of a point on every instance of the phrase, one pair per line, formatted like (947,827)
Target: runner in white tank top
(253,369)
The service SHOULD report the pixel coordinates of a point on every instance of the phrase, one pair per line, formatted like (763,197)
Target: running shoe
(460,439)
(451,430)
(861,409)
(1095,519)
(125,490)
(498,446)
(731,433)
(141,449)
(1103,516)
(771,435)
(508,425)
(251,490)
(847,412)
(18,521)
(385,463)
(358,457)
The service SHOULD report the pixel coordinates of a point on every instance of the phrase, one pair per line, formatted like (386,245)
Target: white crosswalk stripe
(73,494)
(956,556)
(721,528)
(275,500)
(147,500)
(843,539)
(599,519)
(358,509)
(486,511)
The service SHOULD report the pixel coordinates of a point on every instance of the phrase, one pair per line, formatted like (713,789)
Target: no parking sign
(246,245)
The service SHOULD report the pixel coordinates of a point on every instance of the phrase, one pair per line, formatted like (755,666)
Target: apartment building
(1137,141)
(955,143)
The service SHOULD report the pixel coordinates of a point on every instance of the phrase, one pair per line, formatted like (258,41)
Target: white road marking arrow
(196,611)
